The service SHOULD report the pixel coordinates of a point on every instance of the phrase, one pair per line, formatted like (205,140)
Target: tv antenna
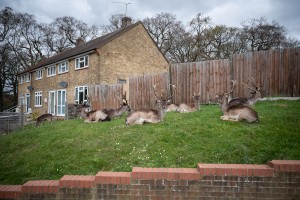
(125,3)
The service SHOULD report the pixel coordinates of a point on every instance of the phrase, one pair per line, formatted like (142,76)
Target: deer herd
(234,109)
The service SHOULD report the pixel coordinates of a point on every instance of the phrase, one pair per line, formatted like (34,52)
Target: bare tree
(115,23)
(64,33)
(258,35)
(163,28)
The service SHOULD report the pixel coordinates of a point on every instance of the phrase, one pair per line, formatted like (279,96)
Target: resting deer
(172,107)
(149,115)
(94,115)
(255,94)
(236,112)
(113,113)
(185,108)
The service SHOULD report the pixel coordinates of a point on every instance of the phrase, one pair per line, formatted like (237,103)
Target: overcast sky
(226,12)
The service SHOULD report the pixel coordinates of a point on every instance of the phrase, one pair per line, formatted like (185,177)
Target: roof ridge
(81,49)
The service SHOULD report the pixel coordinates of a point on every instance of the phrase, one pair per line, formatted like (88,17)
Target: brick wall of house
(279,180)
(134,53)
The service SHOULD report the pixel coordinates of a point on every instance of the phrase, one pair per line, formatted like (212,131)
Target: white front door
(51,103)
(61,102)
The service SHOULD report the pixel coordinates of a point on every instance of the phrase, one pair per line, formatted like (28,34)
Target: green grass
(182,140)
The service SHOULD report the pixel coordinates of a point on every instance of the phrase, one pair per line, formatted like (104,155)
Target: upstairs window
(63,67)
(21,79)
(27,77)
(51,71)
(38,74)
(82,62)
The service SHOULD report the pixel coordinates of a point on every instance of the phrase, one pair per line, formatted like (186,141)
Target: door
(61,102)
(51,103)
(28,109)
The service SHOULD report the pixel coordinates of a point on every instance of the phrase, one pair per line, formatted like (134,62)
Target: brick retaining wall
(279,179)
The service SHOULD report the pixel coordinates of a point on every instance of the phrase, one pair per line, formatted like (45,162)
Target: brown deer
(114,113)
(255,94)
(185,108)
(43,117)
(94,115)
(142,116)
(236,112)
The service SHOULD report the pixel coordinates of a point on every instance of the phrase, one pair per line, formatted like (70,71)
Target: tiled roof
(81,49)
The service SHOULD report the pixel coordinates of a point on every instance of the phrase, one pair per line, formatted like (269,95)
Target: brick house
(109,59)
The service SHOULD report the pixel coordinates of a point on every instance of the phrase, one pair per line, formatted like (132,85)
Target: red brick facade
(279,179)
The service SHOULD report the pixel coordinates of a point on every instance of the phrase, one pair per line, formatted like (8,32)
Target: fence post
(22,116)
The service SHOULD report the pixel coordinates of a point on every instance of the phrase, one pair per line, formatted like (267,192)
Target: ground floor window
(81,93)
(38,99)
(61,102)
(57,102)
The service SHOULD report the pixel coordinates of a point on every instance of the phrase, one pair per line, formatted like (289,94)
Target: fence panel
(10,122)
(208,78)
(105,96)
(141,92)
(276,71)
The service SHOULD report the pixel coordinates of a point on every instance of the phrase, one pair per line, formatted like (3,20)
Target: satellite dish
(63,84)
(30,88)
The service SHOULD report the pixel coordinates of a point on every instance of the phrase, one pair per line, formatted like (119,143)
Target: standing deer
(236,112)
(149,115)
(185,108)
(113,113)
(255,94)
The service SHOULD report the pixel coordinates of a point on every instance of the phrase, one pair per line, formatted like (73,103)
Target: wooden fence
(10,121)
(105,96)
(141,93)
(276,71)
(206,78)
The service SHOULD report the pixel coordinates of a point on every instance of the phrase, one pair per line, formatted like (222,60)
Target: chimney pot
(126,21)
(79,41)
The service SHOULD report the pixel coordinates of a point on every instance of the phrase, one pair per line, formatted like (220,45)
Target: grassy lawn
(182,140)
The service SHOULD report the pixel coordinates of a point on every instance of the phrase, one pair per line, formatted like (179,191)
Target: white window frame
(39,74)
(51,71)
(27,77)
(63,67)
(21,79)
(38,99)
(78,90)
(61,106)
(21,100)
(82,62)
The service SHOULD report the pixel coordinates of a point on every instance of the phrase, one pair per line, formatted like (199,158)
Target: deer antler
(163,91)
(232,88)
(251,85)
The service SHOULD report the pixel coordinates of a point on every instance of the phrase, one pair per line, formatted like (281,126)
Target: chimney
(126,21)
(79,41)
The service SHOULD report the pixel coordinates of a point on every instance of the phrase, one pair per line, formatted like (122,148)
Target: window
(27,77)
(21,99)
(51,71)
(21,80)
(121,81)
(81,93)
(38,74)
(61,102)
(38,99)
(82,62)
(62,67)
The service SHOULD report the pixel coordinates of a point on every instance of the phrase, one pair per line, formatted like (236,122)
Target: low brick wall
(279,179)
